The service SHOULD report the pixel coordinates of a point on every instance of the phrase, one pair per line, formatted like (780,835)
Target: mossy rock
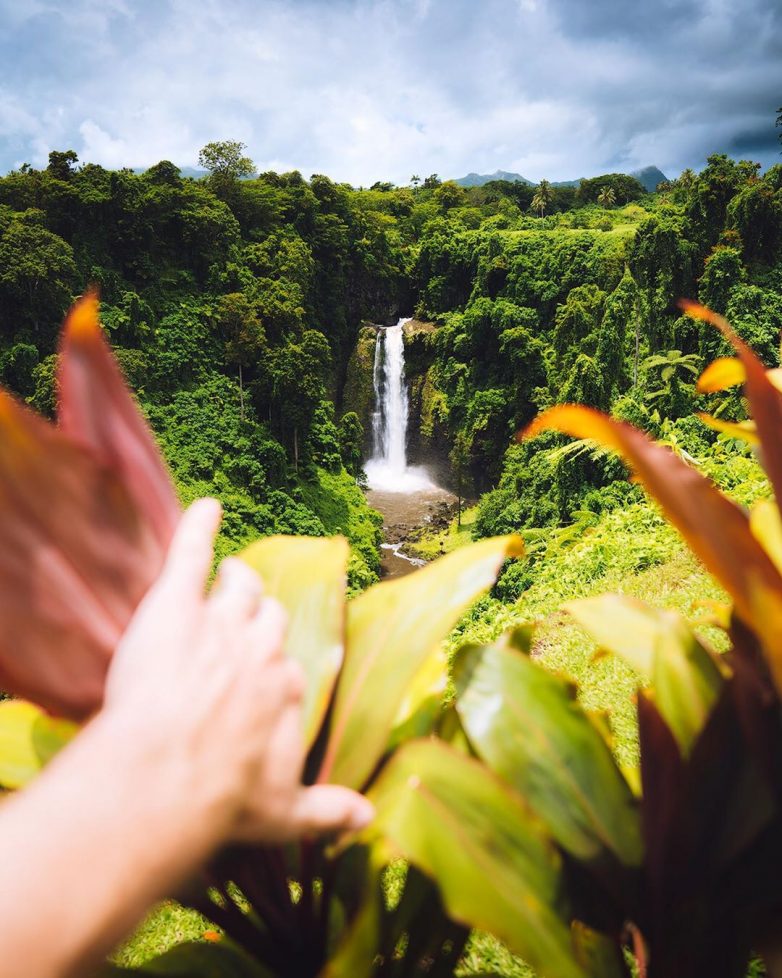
(419,347)
(358,393)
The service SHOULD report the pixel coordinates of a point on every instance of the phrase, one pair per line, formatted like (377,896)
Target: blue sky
(366,90)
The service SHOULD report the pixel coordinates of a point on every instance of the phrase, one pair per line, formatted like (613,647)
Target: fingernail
(363,813)
(208,508)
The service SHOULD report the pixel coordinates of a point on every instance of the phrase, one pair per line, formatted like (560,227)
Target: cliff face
(427,432)
(358,393)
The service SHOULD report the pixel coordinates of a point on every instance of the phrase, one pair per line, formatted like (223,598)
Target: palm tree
(414,180)
(674,395)
(672,363)
(544,195)
(607,197)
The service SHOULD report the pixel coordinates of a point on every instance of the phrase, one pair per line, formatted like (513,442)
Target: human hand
(203,688)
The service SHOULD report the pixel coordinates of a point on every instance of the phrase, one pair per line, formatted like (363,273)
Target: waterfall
(388,470)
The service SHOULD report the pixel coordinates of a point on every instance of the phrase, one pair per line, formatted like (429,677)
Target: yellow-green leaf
(494,864)
(391,630)
(423,700)
(722,373)
(684,676)
(766,528)
(308,576)
(526,724)
(29,739)
(745,430)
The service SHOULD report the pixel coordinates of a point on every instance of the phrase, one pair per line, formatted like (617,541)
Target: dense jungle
(244,308)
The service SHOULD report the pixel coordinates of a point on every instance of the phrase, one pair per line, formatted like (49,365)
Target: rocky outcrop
(358,393)
(427,434)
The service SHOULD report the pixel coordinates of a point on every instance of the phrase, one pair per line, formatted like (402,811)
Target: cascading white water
(388,470)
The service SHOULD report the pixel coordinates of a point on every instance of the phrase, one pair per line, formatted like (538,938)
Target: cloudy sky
(366,90)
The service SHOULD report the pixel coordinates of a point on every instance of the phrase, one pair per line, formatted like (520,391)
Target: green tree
(450,194)
(38,276)
(225,159)
(351,442)
(245,338)
(226,165)
(676,369)
(61,165)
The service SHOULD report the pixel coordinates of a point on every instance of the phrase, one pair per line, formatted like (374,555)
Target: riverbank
(405,516)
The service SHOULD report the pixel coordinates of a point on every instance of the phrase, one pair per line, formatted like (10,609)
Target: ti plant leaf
(29,739)
(722,373)
(97,411)
(526,724)
(195,960)
(391,630)
(716,529)
(493,862)
(764,398)
(685,679)
(308,576)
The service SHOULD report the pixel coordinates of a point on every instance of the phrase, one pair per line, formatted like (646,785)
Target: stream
(406,495)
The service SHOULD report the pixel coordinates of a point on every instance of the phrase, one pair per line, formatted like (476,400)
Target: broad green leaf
(423,700)
(29,739)
(494,865)
(716,529)
(600,955)
(526,724)
(360,943)
(392,628)
(307,575)
(685,678)
(195,960)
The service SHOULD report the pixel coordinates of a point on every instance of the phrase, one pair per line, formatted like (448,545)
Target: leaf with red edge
(764,398)
(722,373)
(96,409)
(716,529)
(745,430)
(76,557)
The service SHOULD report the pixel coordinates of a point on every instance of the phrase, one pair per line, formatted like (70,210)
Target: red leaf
(75,559)
(764,399)
(86,514)
(715,528)
(96,409)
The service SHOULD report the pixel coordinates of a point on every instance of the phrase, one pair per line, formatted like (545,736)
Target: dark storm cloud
(379,89)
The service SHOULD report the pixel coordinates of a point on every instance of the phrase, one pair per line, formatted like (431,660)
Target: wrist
(161,786)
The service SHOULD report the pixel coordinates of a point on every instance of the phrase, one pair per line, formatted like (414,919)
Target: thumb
(328,808)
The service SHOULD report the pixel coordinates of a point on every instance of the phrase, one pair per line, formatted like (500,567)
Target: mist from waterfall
(387,470)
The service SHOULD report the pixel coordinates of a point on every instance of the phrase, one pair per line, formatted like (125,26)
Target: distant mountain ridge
(649,177)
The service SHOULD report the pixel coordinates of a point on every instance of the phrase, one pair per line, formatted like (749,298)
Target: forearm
(108,829)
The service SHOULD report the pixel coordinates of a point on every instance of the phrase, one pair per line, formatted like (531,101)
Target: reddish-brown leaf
(764,398)
(76,557)
(715,528)
(96,409)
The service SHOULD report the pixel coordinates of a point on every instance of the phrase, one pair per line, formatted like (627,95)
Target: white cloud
(378,89)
